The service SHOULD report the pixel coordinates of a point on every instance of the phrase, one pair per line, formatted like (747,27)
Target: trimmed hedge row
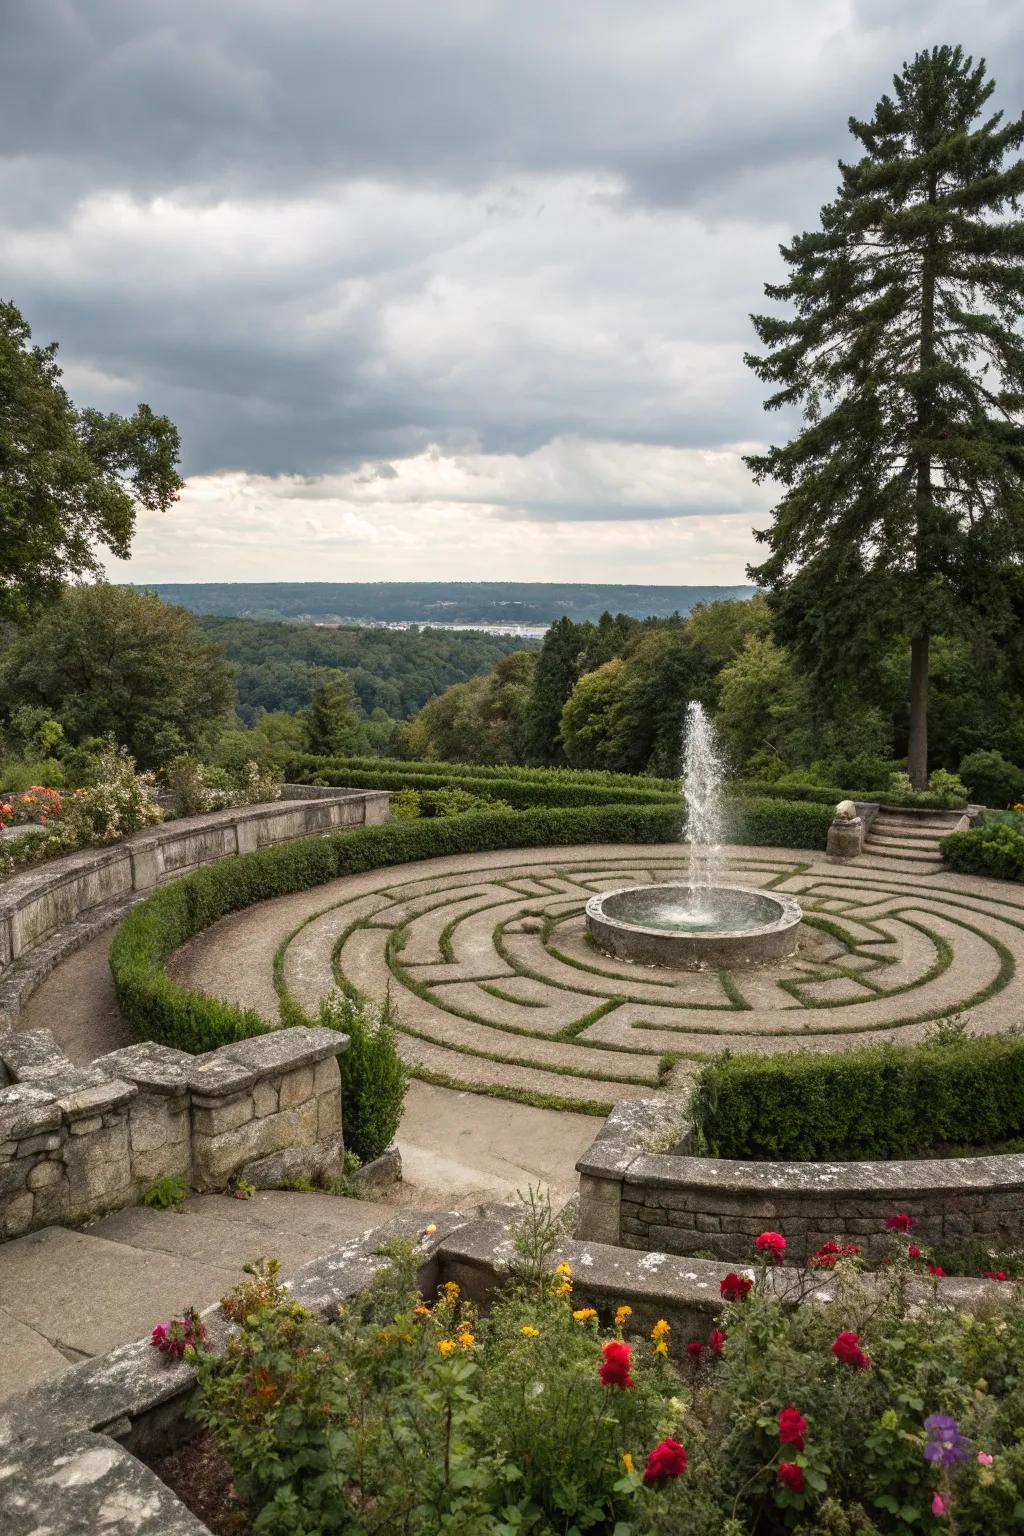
(830,794)
(874,1102)
(308,763)
(157,1008)
(522,793)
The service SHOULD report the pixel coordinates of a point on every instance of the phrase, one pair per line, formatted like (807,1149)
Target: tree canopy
(903,494)
(71,480)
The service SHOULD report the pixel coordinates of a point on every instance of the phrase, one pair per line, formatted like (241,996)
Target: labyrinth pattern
(496,984)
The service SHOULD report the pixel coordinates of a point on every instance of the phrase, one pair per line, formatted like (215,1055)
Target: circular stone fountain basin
(655,925)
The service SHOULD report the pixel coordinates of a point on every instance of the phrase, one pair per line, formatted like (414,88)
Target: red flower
(734,1287)
(792,1428)
(615,1370)
(847,1350)
(694,1348)
(936,1270)
(791,1476)
(995,1274)
(900,1223)
(830,1253)
(913,1252)
(716,1341)
(668,1459)
(773,1243)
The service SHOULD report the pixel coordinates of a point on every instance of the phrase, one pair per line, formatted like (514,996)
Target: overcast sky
(437,288)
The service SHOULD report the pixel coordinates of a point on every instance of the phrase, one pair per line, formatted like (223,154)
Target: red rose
(792,1428)
(668,1459)
(900,1223)
(830,1253)
(994,1274)
(773,1243)
(913,1252)
(791,1476)
(936,1270)
(735,1287)
(694,1348)
(847,1350)
(716,1341)
(615,1370)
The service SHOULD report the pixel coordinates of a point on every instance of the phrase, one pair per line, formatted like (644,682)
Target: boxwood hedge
(159,1009)
(881,1101)
(995,848)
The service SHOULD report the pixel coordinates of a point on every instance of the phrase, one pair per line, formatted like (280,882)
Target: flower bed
(873,1413)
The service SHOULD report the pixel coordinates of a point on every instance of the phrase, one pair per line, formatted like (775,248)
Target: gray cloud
(324,233)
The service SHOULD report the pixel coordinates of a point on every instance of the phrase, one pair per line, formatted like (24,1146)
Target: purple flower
(946,1445)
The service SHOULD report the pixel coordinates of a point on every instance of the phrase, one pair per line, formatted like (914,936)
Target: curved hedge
(882,1101)
(158,1008)
(521,790)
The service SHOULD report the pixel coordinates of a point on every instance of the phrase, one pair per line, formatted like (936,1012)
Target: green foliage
(197,788)
(373,1075)
(901,505)
(790,788)
(995,848)
(331,722)
(165,1195)
(942,782)
(482,720)
(70,479)
(991,780)
(109,661)
(873,1102)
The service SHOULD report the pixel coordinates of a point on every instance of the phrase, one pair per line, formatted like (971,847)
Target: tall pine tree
(903,494)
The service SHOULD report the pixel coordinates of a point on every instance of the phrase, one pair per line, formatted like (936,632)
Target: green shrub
(995,848)
(165,1195)
(373,1075)
(831,794)
(942,782)
(17,774)
(991,779)
(879,1101)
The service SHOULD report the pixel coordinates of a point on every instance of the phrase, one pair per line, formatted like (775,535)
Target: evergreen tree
(902,503)
(558,667)
(331,721)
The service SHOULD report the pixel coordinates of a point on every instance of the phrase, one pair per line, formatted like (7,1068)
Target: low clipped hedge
(157,1008)
(305,764)
(520,791)
(874,1102)
(995,848)
(831,794)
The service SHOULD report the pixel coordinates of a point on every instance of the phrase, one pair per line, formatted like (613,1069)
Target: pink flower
(773,1243)
(995,1274)
(936,1270)
(984,1459)
(716,1341)
(913,1252)
(900,1223)
(938,1504)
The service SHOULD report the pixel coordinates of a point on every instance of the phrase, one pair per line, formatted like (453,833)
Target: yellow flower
(467,1340)
(627,1460)
(584,1315)
(622,1314)
(422,1311)
(563,1289)
(661,1348)
(451,1290)
(429,1231)
(530,1333)
(446,1346)
(563,1268)
(661,1329)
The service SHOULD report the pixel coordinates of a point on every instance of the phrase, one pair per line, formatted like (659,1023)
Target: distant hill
(435,602)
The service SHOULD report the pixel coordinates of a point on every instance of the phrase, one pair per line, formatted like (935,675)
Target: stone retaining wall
(35,904)
(78,1141)
(640,1188)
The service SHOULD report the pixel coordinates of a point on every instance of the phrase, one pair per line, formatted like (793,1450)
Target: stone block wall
(666,1201)
(77,1141)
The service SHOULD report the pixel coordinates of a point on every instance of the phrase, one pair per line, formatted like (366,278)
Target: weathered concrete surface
(78,1004)
(87,1485)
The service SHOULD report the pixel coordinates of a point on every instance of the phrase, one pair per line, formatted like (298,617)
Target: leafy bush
(991,780)
(995,848)
(165,1195)
(796,790)
(407,804)
(881,1413)
(195,787)
(373,1075)
(18,773)
(942,782)
(879,1101)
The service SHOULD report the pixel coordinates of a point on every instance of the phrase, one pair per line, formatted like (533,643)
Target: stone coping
(641,1185)
(68,1446)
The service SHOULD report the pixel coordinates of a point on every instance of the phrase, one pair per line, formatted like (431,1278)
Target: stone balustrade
(77,1141)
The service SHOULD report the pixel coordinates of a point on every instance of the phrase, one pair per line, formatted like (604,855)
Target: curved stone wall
(43,904)
(641,1188)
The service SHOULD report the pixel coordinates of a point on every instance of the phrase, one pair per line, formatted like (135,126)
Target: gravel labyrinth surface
(497,987)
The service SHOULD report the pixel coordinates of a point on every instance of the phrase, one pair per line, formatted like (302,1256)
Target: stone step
(913,834)
(940,823)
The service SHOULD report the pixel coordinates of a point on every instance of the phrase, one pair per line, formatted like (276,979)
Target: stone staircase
(910,837)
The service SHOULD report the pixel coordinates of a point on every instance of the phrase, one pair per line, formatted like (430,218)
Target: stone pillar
(846,834)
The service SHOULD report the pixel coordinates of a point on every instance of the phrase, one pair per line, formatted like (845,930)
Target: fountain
(706,922)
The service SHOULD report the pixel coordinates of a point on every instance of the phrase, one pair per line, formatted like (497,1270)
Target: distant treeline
(396,671)
(438,602)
